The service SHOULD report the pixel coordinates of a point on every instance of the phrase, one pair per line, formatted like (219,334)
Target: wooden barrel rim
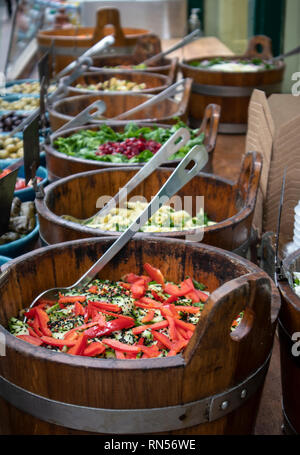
(152,69)
(43,209)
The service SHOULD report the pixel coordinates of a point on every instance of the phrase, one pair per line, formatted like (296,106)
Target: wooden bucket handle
(266,47)
(210,125)
(249,178)
(109,16)
(220,357)
(146,47)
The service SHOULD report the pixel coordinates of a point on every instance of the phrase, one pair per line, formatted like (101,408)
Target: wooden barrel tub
(155,83)
(213,388)
(69,43)
(60,165)
(288,325)
(230,204)
(167,111)
(232,91)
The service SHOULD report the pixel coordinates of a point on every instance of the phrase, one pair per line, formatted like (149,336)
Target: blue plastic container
(28,194)
(4,259)
(20,246)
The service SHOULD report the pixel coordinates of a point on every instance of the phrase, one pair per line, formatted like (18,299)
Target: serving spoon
(180,177)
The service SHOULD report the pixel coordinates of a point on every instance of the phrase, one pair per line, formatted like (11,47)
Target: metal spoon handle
(174,89)
(84,116)
(288,54)
(176,181)
(173,144)
(186,40)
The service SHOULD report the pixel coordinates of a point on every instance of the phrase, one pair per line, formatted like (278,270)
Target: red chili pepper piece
(57,342)
(43,319)
(30,339)
(151,351)
(155,274)
(172,329)
(79,346)
(117,345)
(187,309)
(163,339)
(79,310)
(93,289)
(176,347)
(155,326)
(71,298)
(110,326)
(105,306)
(138,289)
(94,349)
(149,316)
(185,325)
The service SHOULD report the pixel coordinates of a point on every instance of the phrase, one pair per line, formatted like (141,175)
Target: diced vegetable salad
(137,317)
(133,145)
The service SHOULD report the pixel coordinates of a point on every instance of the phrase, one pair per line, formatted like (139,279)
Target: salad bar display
(106,302)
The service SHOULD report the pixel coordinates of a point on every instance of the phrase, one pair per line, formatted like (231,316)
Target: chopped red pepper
(94,349)
(163,339)
(138,289)
(131,278)
(172,329)
(93,289)
(33,333)
(31,339)
(57,342)
(71,298)
(79,310)
(157,297)
(43,319)
(120,355)
(177,346)
(105,306)
(155,274)
(155,326)
(187,309)
(79,346)
(109,327)
(185,325)
(149,316)
(117,345)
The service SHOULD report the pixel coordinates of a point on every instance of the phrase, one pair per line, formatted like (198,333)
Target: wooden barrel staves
(69,43)
(289,334)
(231,205)
(216,383)
(232,91)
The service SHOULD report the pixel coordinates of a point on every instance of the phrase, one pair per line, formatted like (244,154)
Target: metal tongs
(180,177)
(172,145)
(78,67)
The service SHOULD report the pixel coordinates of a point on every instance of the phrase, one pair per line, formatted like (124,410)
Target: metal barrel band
(232,128)
(78,51)
(231,90)
(133,421)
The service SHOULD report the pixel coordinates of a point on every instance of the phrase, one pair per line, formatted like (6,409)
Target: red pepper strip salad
(140,316)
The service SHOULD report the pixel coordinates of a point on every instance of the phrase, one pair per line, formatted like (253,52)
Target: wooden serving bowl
(47,392)
(60,165)
(288,326)
(232,90)
(71,42)
(155,83)
(230,204)
(167,111)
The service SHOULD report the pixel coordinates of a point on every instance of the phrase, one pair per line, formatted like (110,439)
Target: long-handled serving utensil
(180,177)
(172,145)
